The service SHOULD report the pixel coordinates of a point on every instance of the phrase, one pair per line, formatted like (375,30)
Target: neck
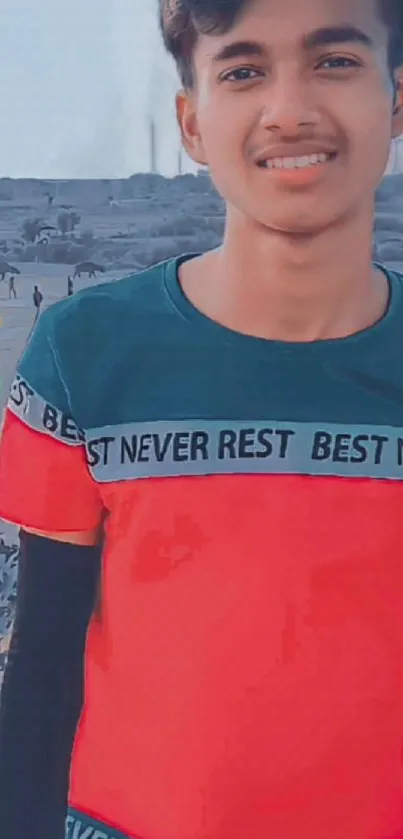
(295,288)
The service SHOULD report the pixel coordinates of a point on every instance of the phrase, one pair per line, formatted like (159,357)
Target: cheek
(369,141)
(373,120)
(224,130)
(373,134)
(368,110)
(362,115)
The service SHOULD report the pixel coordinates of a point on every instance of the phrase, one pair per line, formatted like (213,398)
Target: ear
(188,125)
(397,119)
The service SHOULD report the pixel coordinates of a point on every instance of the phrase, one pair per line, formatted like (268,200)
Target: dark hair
(182,21)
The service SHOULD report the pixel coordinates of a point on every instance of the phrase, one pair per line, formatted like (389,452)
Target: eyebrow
(337,35)
(318,38)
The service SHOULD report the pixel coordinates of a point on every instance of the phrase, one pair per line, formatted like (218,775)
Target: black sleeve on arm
(42,692)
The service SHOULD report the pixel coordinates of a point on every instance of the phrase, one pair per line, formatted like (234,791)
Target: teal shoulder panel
(71,336)
(104,337)
(38,367)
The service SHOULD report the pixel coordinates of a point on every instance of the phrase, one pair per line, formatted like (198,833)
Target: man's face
(294,78)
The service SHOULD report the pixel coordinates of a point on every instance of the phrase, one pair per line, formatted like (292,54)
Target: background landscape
(49,227)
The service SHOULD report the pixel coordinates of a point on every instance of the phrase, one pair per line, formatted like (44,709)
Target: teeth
(303,161)
(296,162)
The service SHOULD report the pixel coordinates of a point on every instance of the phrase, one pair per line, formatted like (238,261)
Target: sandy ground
(17,318)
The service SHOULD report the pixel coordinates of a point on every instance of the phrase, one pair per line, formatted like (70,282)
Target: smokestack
(153,147)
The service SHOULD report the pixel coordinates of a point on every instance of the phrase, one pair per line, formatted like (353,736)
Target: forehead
(288,24)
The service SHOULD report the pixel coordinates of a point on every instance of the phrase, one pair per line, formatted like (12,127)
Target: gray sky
(78,79)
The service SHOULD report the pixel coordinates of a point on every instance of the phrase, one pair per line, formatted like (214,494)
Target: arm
(46,489)
(43,684)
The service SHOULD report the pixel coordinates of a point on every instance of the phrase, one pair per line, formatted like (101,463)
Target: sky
(79,80)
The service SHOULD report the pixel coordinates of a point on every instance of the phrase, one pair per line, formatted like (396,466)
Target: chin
(303,225)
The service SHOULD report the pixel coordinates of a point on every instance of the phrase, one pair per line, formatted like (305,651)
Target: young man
(228,427)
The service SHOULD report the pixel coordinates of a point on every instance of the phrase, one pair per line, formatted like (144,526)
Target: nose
(289,107)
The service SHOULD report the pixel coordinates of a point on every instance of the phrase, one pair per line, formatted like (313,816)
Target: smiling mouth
(292,163)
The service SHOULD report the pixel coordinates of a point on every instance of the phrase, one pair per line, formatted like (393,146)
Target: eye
(338,62)
(240,74)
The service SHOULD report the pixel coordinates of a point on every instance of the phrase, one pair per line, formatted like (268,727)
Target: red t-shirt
(245,676)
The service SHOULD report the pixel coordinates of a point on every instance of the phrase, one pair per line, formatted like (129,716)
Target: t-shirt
(244,674)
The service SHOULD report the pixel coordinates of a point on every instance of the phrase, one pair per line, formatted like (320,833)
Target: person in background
(11,288)
(70,286)
(37,298)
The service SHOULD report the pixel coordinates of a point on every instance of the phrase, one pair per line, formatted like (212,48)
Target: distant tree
(66,222)
(30,230)
(63,222)
(75,219)
(33,229)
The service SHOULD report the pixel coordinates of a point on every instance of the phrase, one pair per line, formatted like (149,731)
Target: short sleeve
(45,483)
